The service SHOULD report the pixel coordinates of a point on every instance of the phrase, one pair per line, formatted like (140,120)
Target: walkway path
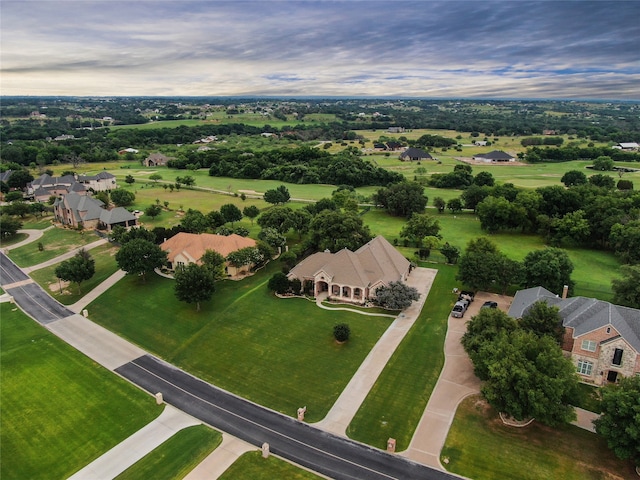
(33,235)
(585,419)
(97,291)
(128,452)
(349,401)
(220,459)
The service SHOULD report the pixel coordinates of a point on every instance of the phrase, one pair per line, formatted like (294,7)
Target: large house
(415,155)
(156,160)
(46,186)
(494,157)
(603,339)
(353,276)
(76,210)
(185,248)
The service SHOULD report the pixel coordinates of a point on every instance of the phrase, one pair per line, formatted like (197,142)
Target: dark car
(489,304)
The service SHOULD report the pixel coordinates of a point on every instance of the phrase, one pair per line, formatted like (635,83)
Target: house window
(608,329)
(584,367)
(617,357)
(589,345)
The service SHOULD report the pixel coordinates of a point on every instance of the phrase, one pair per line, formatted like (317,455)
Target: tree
(139,257)
(279,218)
(251,212)
(341,332)
(419,226)
(573,178)
(194,284)
(484,179)
(529,377)
(543,319)
(619,422)
(278,196)
(9,226)
(603,163)
(334,230)
(396,296)
(479,266)
(231,213)
(129,179)
(279,283)
(455,205)
(451,253)
(624,185)
(214,219)
(272,237)
(187,180)
(215,263)
(245,256)
(549,268)
(439,203)
(153,211)
(300,221)
(19,179)
(603,181)
(77,269)
(625,241)
(122,197)
(402,199)
(194,221)
(626,290)
(155,177)
(571,229)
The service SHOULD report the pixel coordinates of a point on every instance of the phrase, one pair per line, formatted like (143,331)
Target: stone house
(155,160)
(353,276)
(185,248)
(602,339)
(45,185)
(76,210)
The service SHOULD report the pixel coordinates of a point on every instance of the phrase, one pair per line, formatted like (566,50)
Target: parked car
(489,304)
(466,295)
(459,308)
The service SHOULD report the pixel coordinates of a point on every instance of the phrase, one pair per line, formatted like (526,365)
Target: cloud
(427,48)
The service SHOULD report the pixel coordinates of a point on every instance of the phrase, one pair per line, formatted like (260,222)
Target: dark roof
(583,314)
(412,152)
(117,215)
(496,155)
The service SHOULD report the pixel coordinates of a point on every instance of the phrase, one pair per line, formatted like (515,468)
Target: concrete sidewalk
(585,419)
(220,459)
(33,235)
(349,401)
(97,291)
(128,452)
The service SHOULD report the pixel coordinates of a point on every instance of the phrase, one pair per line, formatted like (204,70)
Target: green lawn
(395,404)
(479,446)
(176,457)
(589,398)
(251,466)
(37,223)
(277,352)
(17,238)
(56,242)
(106,265)
(60,410)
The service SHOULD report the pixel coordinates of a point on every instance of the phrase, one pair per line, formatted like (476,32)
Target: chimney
(565,290)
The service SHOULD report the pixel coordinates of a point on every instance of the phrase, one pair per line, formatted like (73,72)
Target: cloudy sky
(521,49)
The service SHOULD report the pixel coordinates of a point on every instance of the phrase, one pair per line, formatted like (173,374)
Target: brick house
(76,210)
(353,276)
(603,339)
(185,248)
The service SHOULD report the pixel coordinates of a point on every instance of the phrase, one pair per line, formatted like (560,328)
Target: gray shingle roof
(495,155)
(117,215)
(583,314)
(412,152)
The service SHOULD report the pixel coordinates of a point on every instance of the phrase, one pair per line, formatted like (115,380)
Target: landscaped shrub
(341,332)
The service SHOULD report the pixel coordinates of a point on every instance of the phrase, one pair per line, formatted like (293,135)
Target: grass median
(279,353)
(55,242)
(60,410)
(395,404)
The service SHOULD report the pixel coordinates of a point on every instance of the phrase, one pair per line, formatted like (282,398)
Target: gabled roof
(99,176)
(583,314)
(4,176)
(412,152)
(495,155)
(46,180)
(117,215)
(376,261)
(628,145)
(194,245)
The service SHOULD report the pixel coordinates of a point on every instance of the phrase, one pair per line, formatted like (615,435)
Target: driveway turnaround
(349,401)
(128,452)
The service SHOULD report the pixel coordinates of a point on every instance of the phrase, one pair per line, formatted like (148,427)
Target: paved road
(328,454)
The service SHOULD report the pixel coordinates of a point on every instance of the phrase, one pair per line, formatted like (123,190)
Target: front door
(612,376)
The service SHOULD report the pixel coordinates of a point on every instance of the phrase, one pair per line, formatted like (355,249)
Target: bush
(341,332)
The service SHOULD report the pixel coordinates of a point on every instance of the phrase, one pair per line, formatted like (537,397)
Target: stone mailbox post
(265,450)
(301,412)
(391,445)
(159,399)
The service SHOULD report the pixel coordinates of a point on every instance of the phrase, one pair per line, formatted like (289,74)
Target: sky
(392,48)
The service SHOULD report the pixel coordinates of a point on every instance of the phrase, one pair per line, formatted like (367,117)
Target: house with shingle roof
(494,156)
(415,155)
(46,185)
(76,210)
(603,339)
(156,160)
(353,276)
(185,248)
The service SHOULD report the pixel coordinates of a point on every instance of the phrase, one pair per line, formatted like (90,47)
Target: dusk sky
(449,49)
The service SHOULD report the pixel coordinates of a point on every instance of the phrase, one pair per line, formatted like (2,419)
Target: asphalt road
(30,296)
(333,456)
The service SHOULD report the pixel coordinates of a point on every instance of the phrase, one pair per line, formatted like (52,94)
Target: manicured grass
(176,457)
(17,238)
(395,404)
(589,398)
(56,242)
(106,265)
(60,410)
(37,223)
(479,446)
(251,466)
(277,352)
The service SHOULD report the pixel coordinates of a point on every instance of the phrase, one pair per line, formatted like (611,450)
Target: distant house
(156,160)
(414,155)
(629,146)
(353,276)
(185,248)
(480,143)
(127,150)
(100,182)
(494,156)
(45,185)
(394,146)
(75,211)
(395,129)
(603,339)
